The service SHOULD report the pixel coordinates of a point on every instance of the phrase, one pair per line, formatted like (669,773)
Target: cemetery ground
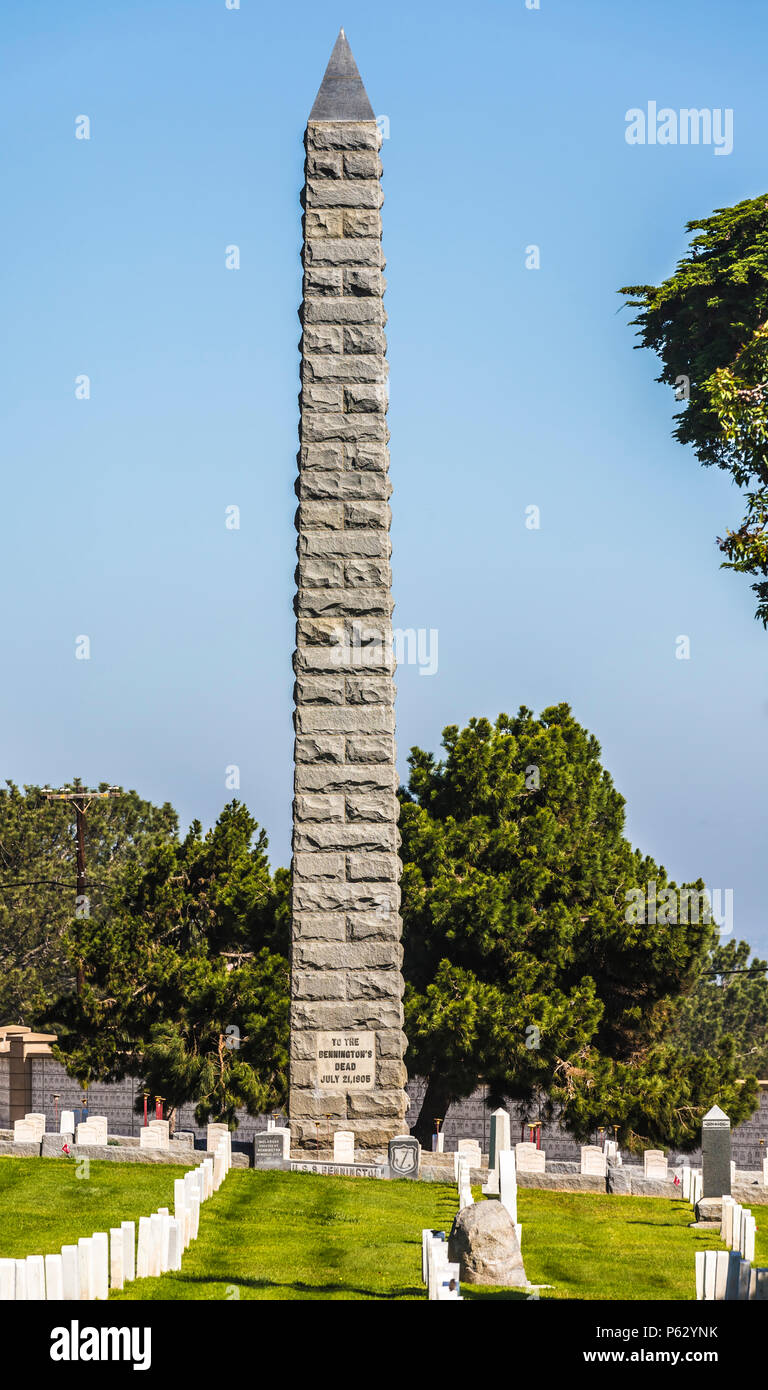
(277,1235)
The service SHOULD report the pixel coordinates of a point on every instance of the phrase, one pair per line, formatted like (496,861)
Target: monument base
(709,1210)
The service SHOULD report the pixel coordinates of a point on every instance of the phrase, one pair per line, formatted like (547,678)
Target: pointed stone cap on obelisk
(715,1114)
(342,96)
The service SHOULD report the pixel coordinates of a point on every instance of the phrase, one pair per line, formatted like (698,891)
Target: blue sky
(509,388)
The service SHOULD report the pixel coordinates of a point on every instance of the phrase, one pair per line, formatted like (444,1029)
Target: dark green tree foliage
(730,999)
(37,882)
(186,977)
(522,970)
(709,324)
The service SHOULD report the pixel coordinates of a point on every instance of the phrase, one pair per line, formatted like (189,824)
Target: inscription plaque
(346,1061)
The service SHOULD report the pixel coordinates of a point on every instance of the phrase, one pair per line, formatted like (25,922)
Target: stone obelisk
(347,1043)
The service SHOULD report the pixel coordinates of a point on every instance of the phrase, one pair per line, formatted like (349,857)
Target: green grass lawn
(44,1205)
(274,1235)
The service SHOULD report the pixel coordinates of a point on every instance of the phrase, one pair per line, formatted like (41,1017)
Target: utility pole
(80,798)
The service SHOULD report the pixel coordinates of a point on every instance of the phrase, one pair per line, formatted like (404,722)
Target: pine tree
(186,978)
(526,968)
(709,325)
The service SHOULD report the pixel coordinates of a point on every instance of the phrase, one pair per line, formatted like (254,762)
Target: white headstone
(738,1212)
(35,1277)
(7,1281)
(508,1182)
(765,1171)
(100,1247)
(70,1270)
(99,1124)
(67,1122)
(207,1167)
(213,1133)
(472,1148)
(179,1196)
(150,1138)
(21,1280)
(155,1243)
(722,1258)
(128,1229)
(143,1260)
(593,1160)
(194,1209)
(175,1243)
(655,1165)
(36,1118)
(726,1220)
(87,1269)
(748,1232)
(447,1286)
(24,1132)
(88,1134)
(427,1236)
(54,1279)
(344,1146)
(116,1260)
(529,1159)
(165,1227)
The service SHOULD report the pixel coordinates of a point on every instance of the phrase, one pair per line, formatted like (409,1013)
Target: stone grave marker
(70,1270)
(7,1281)
(269,1149)
(213,1133)
(404,1153)
(194,1209)
(165,1227)
(86,1268)
(36,1118)
(716,1154)
(427,1236)
(35,1278)
(116,1258)
(344,1146)
(67,1122)
(149,1138)
(100,1247)
(175,1243)
(448,1287)
(529,1159)
(155,1242)
(128,1229)
(143,1257)
(88,1133)
(655,1165)
(593,1160)
(25,1133)
(500,1137)
(99,1124)
(508,1182)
